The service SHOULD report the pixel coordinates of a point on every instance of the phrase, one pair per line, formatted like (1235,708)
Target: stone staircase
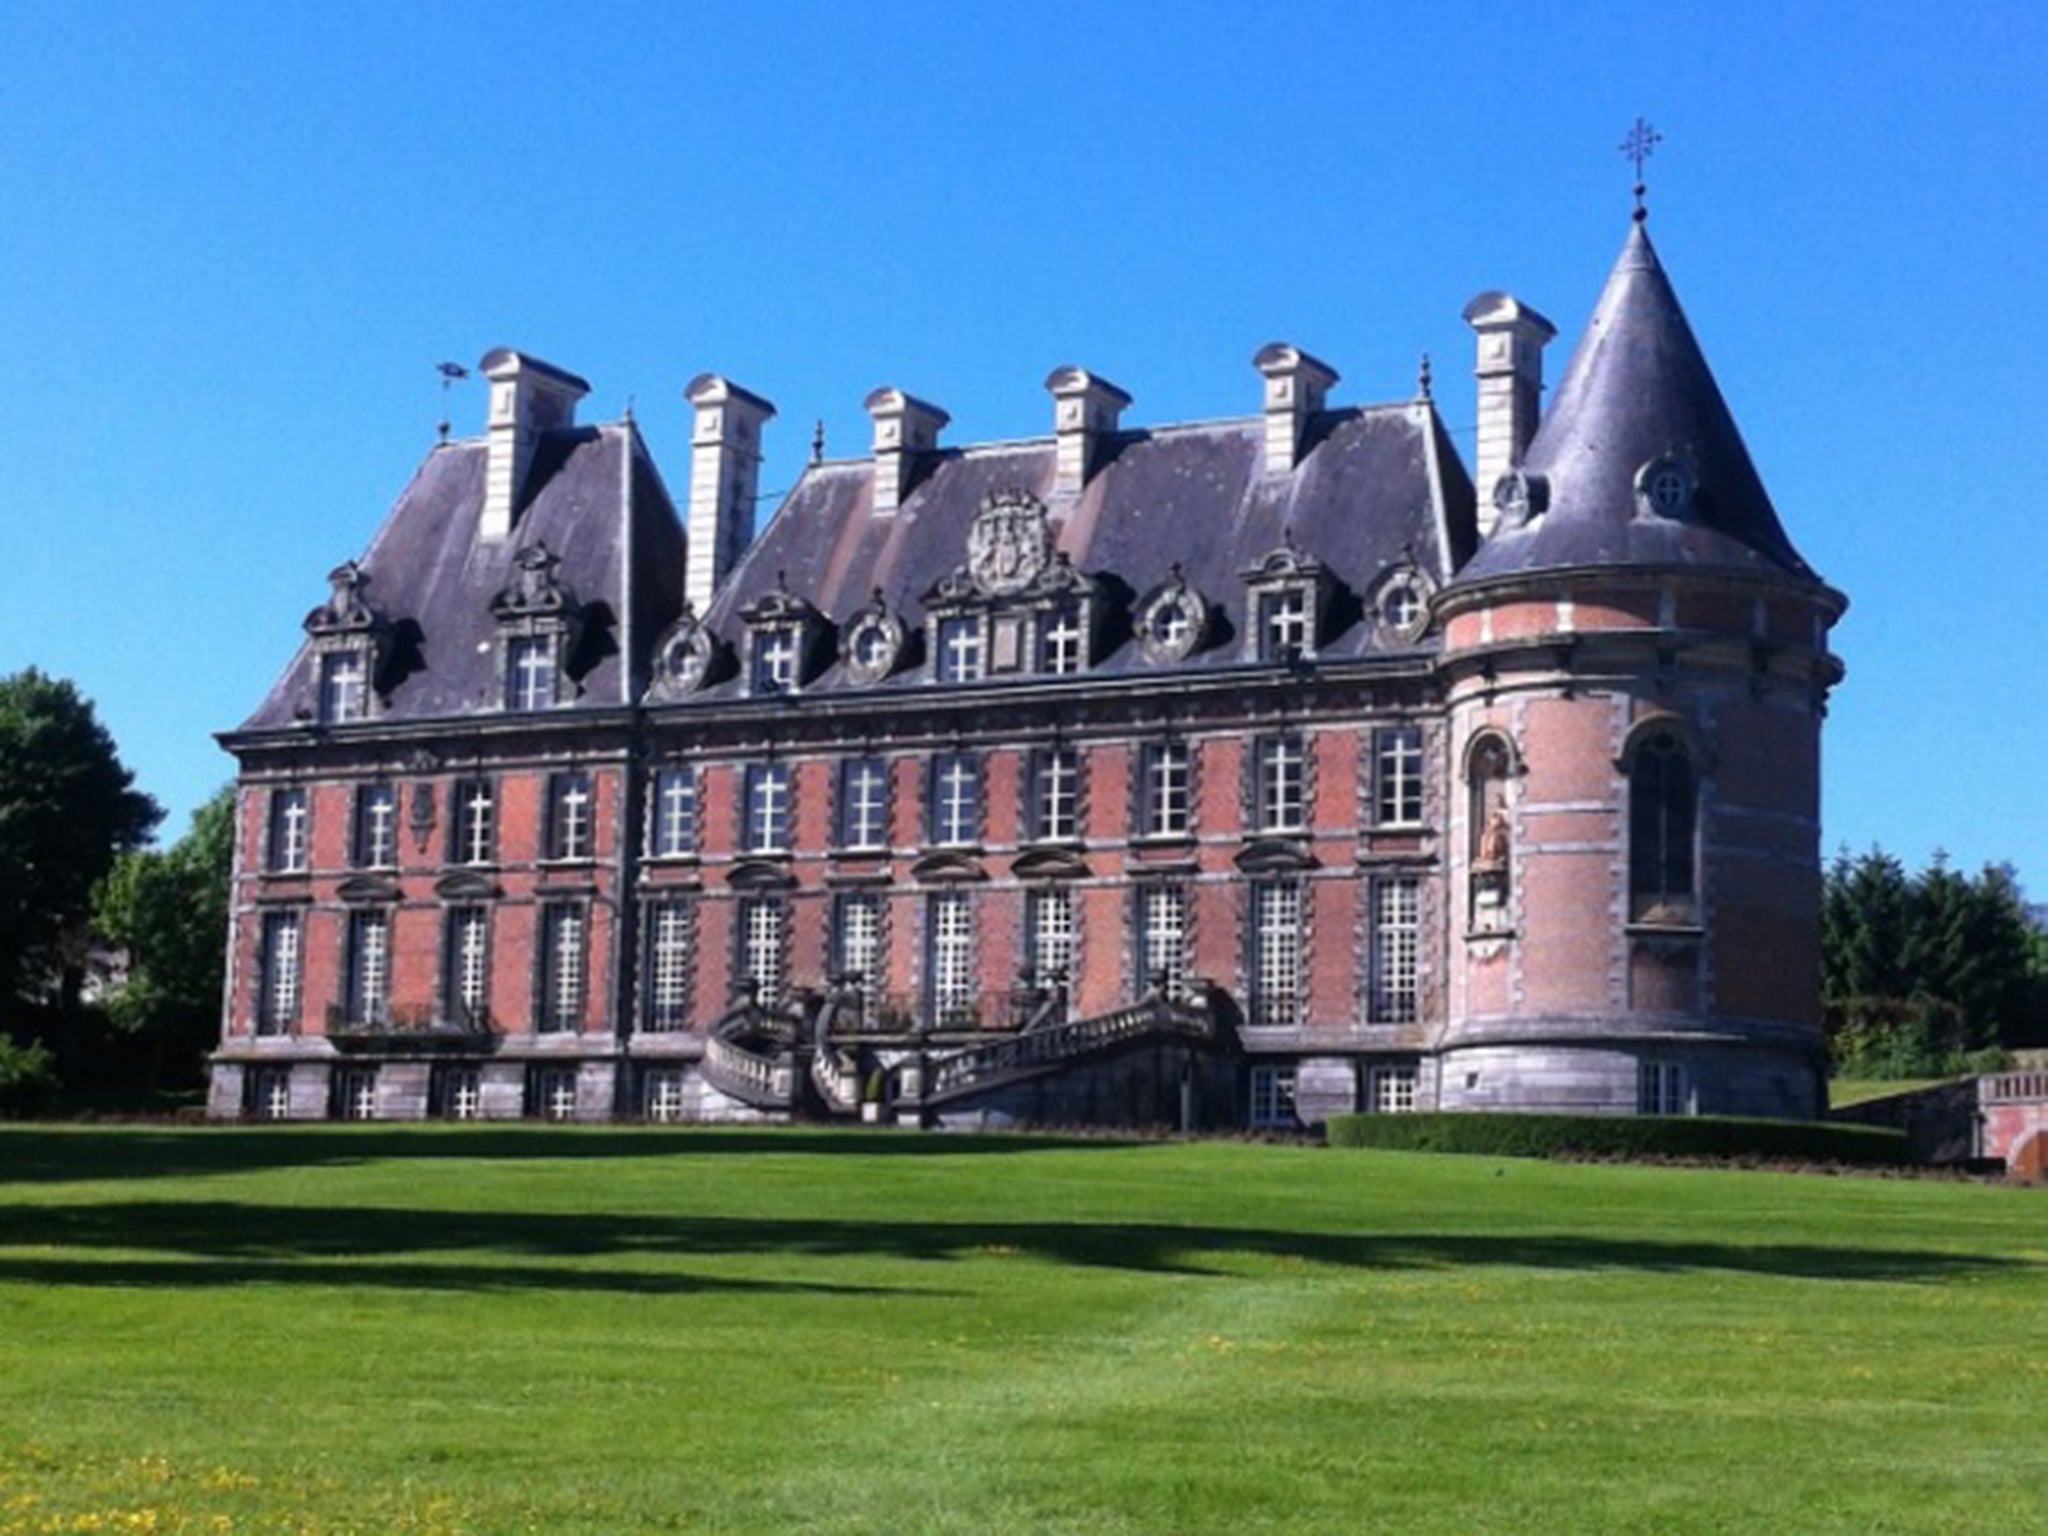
(1038,1052)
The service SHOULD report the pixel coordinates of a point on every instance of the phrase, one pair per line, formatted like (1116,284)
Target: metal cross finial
(818,442)
(1422,379)
(1641,143)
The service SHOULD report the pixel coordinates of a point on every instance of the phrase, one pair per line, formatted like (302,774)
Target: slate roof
(1638,388)
(433,580)
(1378,486)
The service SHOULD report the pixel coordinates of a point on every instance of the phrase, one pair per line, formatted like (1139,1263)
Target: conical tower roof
(1637,462)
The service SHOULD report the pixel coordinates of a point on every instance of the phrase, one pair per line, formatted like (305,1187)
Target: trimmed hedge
(1717,1136)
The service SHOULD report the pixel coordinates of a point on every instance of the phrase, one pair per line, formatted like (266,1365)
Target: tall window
(530,672)
(465,966)
(475,822)
(369,967)
(1163,938)
(864,803)
(664,1095)
(1163,797)
(1056,794)
(767,808)
(1062,642)
(1397,767)
(1282,784)
(1662,813)
(763,922)
(376,840)
(952,958)
(551,1093)
(290,830)
(278,971)
(775,654)
(1284,624)
(1396,946)
(344,687)
(669,948)
(956,798)
(355,1093)
(1049,921)
(672,813)
(1276,953)
(570,816)
(564,945)
(961,656)
(857,942)
(455,1093)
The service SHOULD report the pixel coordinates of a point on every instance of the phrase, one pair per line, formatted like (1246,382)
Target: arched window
(1663,815)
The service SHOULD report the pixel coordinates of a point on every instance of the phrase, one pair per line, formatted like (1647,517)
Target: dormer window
(1063,642)
(961,653)
(774,661)
(530,672)
(344,687)
(785,633)
(539,622)
(685,658)
(1399,604)
(349,639)
(1288,593)
(1172,621)
(1283,625)
(873,645)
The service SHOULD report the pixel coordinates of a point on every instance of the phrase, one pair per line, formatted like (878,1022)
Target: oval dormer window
(1664,487)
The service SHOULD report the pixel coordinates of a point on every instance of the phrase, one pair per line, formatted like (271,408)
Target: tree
(1919,971)
(168,909)
(68,808)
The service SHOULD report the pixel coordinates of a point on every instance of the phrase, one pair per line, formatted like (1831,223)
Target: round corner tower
(1636,662)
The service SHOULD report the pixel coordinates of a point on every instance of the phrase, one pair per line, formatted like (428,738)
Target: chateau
(1236,772)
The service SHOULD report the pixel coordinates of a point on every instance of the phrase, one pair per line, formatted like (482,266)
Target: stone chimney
(1295,386)
(528,397)
(1510,370)
(906,433)
(725,480)
(1084,415)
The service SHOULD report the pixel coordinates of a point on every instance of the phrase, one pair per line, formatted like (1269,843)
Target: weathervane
(1641,143)
(449,372)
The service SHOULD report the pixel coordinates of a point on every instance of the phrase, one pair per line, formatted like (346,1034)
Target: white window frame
(1169,783)
(280,976)
(1283,784)
(775,659)
(344,686)
(467,985)
(1396,949)
(376,840)
(1395,1089)
(769,808)
(672,812)
(1277,991)
(663,1096)
(962,650)
(532,673)
(368,998)
(291,831)
(1056,786)
(1064,643)
(1286,618)
(864,803)
(572,817)
(1052,937)
(476,811)
(954,996)
(1163,938)
(1397,760)
(763,931)
(857,941)
(671,934)
(564,966)
(956,799)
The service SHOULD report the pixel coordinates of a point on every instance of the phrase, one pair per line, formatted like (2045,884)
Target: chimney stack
(725,479)
(1510,371)
(528,397)
(906,431)
(1085,413)
(1295,386)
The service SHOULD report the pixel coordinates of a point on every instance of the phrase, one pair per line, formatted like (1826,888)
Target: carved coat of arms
(1010,544)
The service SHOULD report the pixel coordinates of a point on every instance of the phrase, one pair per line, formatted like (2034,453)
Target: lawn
(330,1329)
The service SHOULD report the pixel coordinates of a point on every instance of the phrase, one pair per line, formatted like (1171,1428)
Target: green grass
(477,1329)
(1844,1091)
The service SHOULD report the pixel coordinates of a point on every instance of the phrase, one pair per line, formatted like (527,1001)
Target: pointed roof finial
(1422,379)
(449,372)
(818,442)
(1641,143)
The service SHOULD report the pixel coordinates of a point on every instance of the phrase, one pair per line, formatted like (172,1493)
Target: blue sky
(237,238)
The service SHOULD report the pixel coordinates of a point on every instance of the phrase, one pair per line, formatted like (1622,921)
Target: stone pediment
(466,885)
(760,875)
(1049,864)
(947,868)
(367,888)
(1275,856)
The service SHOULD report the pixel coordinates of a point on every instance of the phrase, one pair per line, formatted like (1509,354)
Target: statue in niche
(1492,836)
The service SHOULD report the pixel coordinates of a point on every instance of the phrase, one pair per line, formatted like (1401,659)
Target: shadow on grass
(289,1243)
(59,1154)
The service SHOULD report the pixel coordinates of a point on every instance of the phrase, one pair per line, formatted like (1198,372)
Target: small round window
(1664,487)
